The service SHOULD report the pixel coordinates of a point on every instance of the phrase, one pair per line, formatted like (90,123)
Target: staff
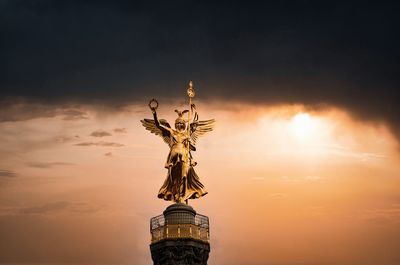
(191,94)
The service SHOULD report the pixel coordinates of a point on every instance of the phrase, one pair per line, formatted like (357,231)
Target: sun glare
(303,126)
(302,134)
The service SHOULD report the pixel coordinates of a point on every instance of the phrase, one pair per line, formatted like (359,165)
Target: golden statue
(182,182)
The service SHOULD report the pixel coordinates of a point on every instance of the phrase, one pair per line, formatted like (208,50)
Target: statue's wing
(151,126)
(199,128)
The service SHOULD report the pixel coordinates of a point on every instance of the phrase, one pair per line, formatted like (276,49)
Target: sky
(302,168)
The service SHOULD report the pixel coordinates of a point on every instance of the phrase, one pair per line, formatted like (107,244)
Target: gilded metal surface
(182,182)
(198,230)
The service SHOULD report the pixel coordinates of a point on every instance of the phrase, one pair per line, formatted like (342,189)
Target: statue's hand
(153,105)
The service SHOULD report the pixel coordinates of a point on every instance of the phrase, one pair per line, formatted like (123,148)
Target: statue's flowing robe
(177,187)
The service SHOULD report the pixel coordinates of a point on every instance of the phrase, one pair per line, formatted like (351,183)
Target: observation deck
(180,221)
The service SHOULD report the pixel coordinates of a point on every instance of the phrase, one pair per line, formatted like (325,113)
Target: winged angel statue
(182,182)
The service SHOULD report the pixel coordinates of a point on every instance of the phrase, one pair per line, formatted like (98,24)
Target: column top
(178,207)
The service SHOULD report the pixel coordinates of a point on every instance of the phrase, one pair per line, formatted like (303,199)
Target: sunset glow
(298,172)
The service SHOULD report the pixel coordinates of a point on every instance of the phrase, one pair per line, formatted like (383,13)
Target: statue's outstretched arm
(158,124)
(156,118)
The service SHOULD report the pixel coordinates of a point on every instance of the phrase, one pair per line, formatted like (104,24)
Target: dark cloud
(48,164)
(17,110)
(100,133)
(73,114)
(12,110)
(7,173)
(65,139)
(120,130)
(101,143)
(312,52)
(109,154)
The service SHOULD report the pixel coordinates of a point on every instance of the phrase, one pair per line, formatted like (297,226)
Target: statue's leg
(182,190)
(170,173)
(183,181)
(174,188)
(169,163)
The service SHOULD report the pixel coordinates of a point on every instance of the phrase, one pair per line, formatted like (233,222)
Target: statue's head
(180,124)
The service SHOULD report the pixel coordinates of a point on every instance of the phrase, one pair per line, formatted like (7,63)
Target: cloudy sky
(303,167)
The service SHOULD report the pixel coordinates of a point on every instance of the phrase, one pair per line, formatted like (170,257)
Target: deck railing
(198,228)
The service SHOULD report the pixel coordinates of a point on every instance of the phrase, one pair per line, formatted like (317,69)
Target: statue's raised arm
(158,127)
